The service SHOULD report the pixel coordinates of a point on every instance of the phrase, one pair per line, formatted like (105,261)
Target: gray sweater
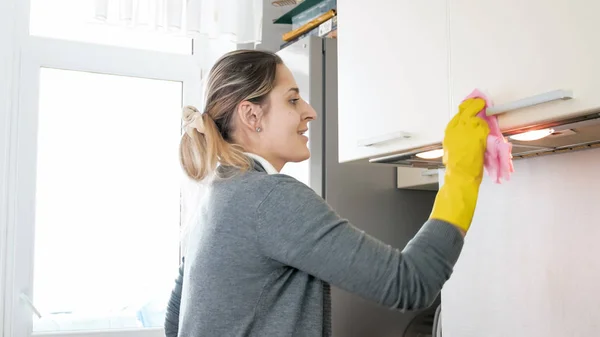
(266,247)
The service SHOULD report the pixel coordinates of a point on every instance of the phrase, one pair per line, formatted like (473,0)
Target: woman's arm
(296,227)
(172,315)
(299,229)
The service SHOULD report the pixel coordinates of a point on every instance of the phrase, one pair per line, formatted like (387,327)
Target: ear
(250,115)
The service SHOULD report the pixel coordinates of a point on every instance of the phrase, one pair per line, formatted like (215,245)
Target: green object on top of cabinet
(301,7)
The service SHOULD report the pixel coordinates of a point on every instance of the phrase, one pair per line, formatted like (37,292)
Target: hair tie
(193,120)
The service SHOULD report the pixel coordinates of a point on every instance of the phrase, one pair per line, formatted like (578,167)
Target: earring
(258,129)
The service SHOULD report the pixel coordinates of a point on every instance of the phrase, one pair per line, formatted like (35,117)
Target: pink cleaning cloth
(498,157)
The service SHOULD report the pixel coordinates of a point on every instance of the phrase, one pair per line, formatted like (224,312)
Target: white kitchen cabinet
(393,76)
(515,49)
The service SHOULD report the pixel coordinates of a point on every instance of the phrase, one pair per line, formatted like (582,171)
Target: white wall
(531,261)
(271,33)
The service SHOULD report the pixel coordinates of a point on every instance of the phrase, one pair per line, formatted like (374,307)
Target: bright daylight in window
(75,20)
(107,201)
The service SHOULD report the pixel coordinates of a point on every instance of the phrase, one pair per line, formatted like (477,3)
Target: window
(94,230)
(107,200)
(74,20)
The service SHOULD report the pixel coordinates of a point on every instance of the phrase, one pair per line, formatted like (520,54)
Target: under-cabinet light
(532,135)
(433,154)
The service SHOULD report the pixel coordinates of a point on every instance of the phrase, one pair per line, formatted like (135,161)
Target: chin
(301,155)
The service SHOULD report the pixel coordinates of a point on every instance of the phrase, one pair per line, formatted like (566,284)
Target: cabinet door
(515,49)
(393,76)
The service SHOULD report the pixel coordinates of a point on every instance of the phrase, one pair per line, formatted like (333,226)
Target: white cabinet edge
(412,178)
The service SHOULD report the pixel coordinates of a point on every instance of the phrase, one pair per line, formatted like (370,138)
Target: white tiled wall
(531,261)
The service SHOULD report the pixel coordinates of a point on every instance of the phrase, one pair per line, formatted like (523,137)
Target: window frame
(20,68)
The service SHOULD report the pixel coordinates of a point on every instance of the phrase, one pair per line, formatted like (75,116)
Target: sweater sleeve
(298,228)
(172,313)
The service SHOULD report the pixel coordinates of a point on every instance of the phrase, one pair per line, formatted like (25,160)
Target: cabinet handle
(383,138)
(530,101)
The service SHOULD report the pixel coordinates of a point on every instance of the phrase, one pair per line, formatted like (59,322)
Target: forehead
(284,79)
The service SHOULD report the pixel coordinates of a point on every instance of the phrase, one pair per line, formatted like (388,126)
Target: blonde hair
(242,75)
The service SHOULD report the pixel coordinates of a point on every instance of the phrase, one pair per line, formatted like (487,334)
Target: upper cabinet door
(393,76)
(514,49)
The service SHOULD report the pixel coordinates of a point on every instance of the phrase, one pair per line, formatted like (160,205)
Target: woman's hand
(465,141)
(464,147)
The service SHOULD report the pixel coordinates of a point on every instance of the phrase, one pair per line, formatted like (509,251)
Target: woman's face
(284,125)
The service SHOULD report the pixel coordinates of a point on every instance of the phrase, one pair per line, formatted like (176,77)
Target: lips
(302,132)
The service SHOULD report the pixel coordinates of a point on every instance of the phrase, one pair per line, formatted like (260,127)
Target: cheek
(283,122)
(286,124)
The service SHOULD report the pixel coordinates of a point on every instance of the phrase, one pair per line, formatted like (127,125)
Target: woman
(266,247)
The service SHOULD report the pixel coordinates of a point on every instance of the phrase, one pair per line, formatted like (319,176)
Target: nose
(309,113)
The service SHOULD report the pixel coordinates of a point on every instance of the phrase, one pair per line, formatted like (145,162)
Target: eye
(294,100)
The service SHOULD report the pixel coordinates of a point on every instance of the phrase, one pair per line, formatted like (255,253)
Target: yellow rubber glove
(464,147)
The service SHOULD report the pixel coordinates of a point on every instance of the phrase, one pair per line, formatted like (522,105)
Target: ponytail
(236,77)
(203,147)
